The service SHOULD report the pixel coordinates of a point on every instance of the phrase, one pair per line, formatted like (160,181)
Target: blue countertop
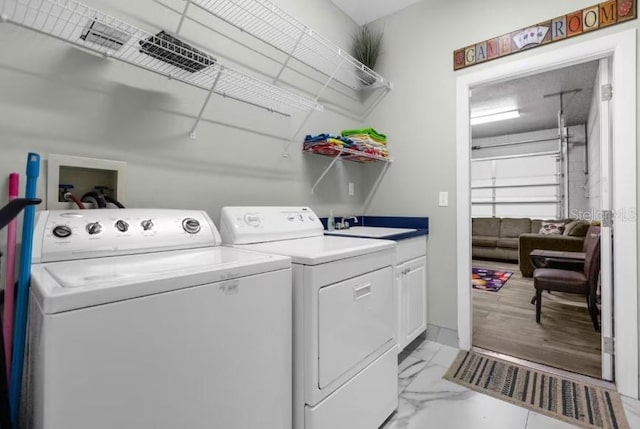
(420,224)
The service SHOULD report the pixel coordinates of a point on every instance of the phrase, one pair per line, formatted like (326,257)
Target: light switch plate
(443,199)
(351,189)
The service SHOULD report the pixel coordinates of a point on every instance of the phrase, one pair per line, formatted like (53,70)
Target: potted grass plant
(367,46)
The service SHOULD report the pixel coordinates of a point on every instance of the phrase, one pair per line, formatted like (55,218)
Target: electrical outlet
(351,189)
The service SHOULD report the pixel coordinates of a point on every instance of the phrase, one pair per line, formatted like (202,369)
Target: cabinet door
(414,287)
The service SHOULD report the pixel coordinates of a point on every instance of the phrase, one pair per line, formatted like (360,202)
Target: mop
(24,274)
(9,297)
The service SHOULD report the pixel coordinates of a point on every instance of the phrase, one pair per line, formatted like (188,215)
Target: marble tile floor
(426,400)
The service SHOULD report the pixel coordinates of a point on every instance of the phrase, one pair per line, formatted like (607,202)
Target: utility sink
(370,231)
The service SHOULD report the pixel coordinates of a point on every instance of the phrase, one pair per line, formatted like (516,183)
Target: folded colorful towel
(369,131)
(327,144)
(323,137)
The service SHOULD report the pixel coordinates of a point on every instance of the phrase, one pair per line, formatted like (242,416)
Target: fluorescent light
(493,117)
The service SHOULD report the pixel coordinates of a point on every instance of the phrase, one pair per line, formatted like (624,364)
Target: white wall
(56,98)
(420,114)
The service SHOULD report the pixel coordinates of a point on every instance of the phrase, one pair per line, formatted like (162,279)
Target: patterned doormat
(581,404)
(485,279)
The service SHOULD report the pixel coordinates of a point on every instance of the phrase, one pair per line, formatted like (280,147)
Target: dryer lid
(321,249)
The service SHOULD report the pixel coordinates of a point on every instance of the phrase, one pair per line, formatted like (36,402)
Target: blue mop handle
(22,293)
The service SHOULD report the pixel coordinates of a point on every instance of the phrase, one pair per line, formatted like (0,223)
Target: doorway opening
(620,47)
(535,185)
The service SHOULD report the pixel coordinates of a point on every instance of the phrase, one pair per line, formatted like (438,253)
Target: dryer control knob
(146,224)
(191,225)
(62,231)
(94,228)
(122,226)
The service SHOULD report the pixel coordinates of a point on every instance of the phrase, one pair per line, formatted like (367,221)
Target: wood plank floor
(505,322)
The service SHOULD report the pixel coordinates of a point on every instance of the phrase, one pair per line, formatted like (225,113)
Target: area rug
(581,404)
(484,279)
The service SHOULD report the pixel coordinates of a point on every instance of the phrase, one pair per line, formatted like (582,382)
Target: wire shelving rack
(89,28)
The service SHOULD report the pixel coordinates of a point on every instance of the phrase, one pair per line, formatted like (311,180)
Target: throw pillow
(551,228)
(576,228)
(569,227)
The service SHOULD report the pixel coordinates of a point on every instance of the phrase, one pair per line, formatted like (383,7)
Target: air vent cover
(175,52)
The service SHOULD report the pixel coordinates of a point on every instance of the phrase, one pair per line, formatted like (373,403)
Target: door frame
(605,121)
(621,48)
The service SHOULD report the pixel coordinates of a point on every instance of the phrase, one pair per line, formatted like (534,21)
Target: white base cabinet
(411,290)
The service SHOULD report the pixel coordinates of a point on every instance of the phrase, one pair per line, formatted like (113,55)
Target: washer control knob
(122,226)
(146,224)
(94,228)
(312,218)
(252,220)
(191,225)
(62,231)
(301,218)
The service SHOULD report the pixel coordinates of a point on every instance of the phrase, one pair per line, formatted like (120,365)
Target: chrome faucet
(344,224)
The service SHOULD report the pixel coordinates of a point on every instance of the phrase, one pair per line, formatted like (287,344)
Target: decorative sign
(573,24)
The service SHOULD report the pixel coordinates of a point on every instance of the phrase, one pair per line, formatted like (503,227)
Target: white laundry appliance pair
(139,319)
(344,354)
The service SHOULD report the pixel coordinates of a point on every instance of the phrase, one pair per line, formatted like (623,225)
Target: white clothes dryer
(345,362)
(139,319)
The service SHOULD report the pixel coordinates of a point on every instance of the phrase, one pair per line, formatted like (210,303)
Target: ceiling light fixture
(486,117)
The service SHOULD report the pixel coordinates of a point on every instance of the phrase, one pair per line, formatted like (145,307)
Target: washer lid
(322,249)
(62,286)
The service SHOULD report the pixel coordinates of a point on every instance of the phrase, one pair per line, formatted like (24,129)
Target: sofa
(497,238)
(513,239)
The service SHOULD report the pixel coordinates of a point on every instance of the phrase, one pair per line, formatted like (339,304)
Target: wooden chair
(585,282)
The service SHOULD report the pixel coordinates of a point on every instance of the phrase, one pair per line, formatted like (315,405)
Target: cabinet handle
(361,291)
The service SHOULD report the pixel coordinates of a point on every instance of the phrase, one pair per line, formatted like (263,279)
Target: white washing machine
(139,319)
(345,362)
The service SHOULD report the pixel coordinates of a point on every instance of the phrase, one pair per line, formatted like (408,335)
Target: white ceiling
(527,95)
(365,11)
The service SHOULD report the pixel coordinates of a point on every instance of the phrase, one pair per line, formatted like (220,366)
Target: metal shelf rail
(83,26)
(267,22)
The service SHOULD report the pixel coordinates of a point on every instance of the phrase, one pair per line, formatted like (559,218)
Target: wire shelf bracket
(193,134)
(359,155)
(183,16)
(89,28)
(374,188)
(295,136)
